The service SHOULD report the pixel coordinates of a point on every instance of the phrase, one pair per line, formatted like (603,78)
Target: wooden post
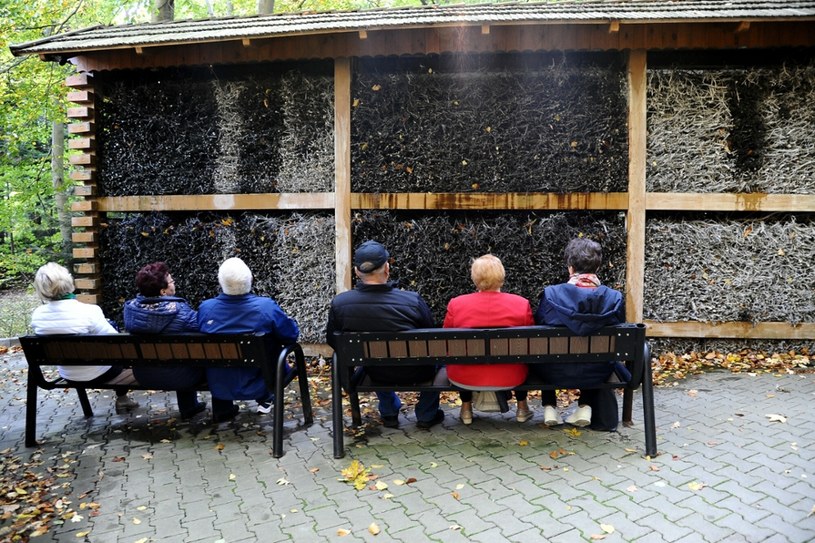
(342,175)
(85,241)
(635,218)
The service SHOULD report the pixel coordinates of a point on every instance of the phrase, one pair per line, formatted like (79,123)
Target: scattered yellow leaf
(523,443)
(219,446)
(136,521)
(232,476)
(696,486)
(381,485)
(455,527)
(342,532)
(82,534)
(456,495)
(313,470)
(557,453)
(357,474)
(374,528)
(376,88)
(572,432)
(398,482)
(607,528)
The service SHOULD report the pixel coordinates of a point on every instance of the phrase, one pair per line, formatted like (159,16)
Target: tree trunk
(60,189)
(265,7)
(163,10)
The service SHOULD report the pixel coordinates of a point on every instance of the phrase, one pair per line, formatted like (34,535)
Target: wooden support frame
(636,202)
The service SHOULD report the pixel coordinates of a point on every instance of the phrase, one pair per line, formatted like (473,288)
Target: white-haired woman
(238,311)
(62,313)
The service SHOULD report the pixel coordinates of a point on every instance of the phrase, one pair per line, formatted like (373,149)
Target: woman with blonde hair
(62,313)
(488,308)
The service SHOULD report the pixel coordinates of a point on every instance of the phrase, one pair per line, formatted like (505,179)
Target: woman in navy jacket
(156,310)
(583,305)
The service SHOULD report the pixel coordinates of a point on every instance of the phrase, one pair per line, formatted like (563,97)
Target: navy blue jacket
(244,314)
(581,310)
(160,315)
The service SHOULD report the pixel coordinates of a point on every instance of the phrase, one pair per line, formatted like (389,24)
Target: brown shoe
(523,414)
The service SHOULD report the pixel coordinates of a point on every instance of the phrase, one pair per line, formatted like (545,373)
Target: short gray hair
(53,282)
(235,277)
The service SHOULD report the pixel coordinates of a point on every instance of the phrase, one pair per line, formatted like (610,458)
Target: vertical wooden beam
(342,172)
(85,249)
(635,219)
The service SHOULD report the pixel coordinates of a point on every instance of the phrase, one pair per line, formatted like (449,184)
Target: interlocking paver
(492,481)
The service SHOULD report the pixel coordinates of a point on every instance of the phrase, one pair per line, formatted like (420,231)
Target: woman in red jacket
(488,308)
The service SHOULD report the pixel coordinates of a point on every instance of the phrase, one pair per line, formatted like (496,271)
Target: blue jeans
(426,407)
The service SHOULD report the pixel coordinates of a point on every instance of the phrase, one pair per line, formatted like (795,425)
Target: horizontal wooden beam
(482,200)
(84,205)
(222,202)
(82,159)
(86,268)
(88,283)
(88,298)
(81,128)
(85,252)
(558,36)
(82,143)
(78,81)
(81,96)
(85,221)
(731,330)
(80,112)
(86,174)
(84,237)
(84,190)
(696,201)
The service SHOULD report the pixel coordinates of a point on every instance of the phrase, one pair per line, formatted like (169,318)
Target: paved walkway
(726,472)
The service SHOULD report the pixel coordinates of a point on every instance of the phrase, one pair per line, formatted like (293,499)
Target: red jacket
(488,310)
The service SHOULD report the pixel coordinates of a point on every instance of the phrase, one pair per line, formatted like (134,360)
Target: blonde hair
(53,282)
(487,273)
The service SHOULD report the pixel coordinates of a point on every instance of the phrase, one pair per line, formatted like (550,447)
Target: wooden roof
(245,29)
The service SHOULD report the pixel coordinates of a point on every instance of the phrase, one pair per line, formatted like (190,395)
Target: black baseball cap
(370,256)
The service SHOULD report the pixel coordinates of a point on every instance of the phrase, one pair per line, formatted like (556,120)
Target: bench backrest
(144,350)
(528,344)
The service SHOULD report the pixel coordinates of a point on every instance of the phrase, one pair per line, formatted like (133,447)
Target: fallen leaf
(374,528)
(459,486)
(607,528)
(142,540)
(147,456)
(118,458)
(313,470)
(433,465)
(597,537)
(342,532)
(632,488)
(456,495)
(398,482)
(219,446)
(776,418)
(232,476)
(82,534)
(653,467)
(282,482)
(410,480)
(572,432)
(557,453)
(455,527)
(136,521)
(387,496)
(523,443)
(693,393)
(381,485)
(76,518)
(696,486)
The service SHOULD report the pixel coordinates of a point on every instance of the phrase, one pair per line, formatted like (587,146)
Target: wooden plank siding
(423,41)
(635,217)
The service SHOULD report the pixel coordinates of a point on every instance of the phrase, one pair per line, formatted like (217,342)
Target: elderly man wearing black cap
(376,305)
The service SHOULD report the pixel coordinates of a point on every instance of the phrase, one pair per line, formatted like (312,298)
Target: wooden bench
(197,350)
(623,343)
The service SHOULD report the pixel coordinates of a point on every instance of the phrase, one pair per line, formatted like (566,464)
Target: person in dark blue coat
(238,311)
(583,305)
(157,310)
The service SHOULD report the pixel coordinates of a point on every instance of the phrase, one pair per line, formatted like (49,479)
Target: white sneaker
(551,417)
(581,416)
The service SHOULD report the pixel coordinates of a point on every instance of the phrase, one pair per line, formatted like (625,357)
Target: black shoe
(228,415)
(390,421)
(425,424)
(200,406)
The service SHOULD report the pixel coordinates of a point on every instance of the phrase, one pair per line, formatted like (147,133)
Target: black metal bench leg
(84,402)
(277,425)
(649,419)
(305,394)
(336,408)
(31,415)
